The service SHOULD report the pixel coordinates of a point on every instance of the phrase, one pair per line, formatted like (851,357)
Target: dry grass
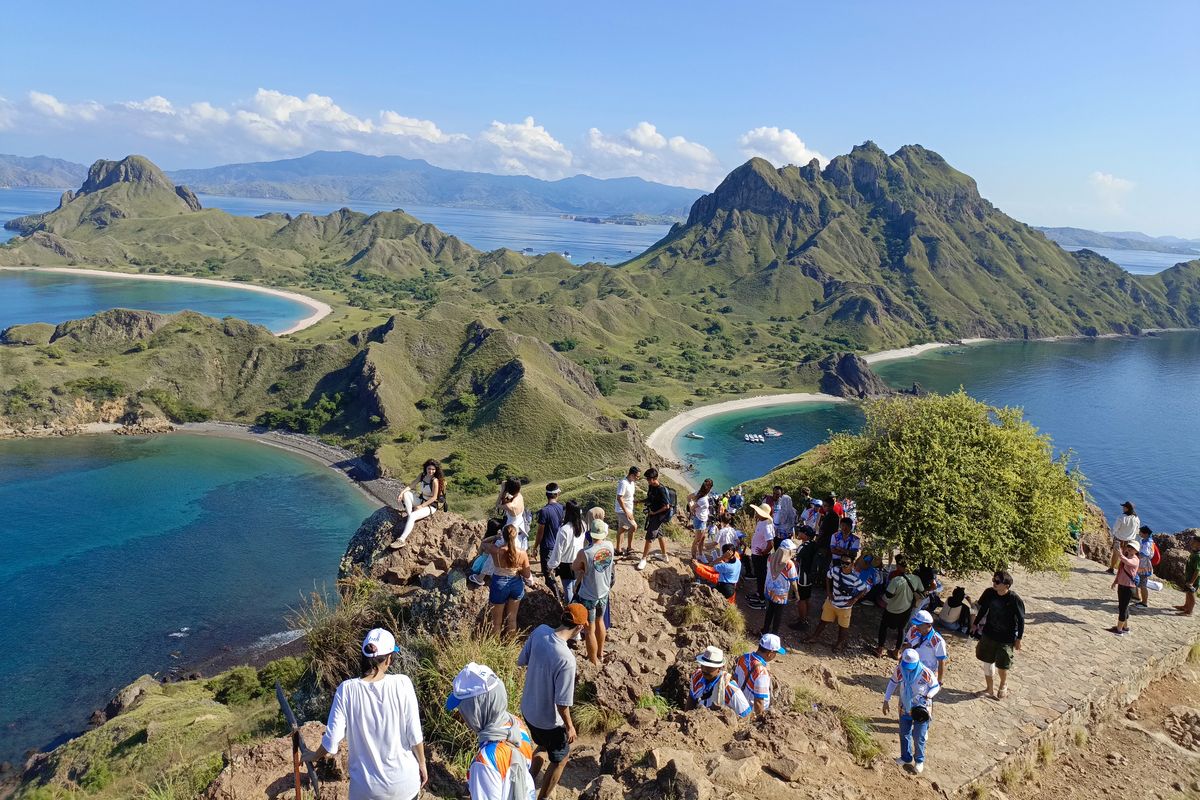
(591,718)
(860,742)
(690,614)
(1080,737)
(1194,654)
(979,792)
(732,621)
(655,701)
(1045,754)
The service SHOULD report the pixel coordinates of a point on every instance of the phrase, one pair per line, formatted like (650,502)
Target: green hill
(435,348)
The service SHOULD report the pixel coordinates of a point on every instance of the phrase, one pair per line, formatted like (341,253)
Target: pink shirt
(1127,573)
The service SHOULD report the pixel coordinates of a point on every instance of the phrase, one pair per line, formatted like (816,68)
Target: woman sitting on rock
(510,574)
(431,485)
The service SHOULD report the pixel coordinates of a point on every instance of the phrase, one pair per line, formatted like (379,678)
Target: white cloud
(272,124)
(644,151)
(1110,190)
(778,145)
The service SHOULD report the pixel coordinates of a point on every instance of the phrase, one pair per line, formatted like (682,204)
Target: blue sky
(1067,113)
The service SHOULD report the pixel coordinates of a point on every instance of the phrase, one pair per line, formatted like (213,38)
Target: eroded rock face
(437,545)
(111,327)
(847,375)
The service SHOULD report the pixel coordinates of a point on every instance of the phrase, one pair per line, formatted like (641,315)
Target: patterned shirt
(751,676)
(704,692)
(846,586)
(488,776)
(779,585)
(923,690)
(931,647)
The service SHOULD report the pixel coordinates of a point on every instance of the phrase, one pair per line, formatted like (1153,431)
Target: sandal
(1002,693)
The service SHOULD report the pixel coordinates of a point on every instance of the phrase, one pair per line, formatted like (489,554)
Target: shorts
(989,651)
(623,521)
(831,613)
(552,740)
(803,592)
(727,590)
(699,524)
(595,608)
(504,588)
(654,526)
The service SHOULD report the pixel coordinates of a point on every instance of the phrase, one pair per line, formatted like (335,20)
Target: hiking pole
(295,726)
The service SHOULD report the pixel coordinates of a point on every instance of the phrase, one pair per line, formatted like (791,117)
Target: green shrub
(237,687)
(176,409)
(636,413)
(656,702)
(655,402)
(97,388)
(97,778)
(288,670)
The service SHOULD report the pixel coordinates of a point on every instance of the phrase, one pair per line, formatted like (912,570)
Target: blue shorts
(504,588)
(698,524)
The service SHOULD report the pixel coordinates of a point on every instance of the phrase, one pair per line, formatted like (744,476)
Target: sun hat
(379,642)
(763,510)
(923,617)
(472,681)
(598,529)
(911,659)
(577,612)
(712,656)
(770,641)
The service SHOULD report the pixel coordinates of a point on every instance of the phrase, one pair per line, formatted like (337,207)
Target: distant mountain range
(344,176)
(1122,240)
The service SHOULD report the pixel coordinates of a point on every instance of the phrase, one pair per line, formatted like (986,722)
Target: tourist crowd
(793,546)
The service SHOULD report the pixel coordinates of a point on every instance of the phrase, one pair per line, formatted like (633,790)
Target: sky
(1066,113)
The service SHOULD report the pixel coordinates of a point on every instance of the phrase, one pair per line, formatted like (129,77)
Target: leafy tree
(655,402)
(606,384)
(954,482)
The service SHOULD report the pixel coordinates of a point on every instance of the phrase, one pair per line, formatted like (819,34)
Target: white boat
(692,435)
(774,434)
(756,438)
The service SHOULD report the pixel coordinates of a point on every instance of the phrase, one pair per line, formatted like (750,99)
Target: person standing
(511,503)
(843,588)
(750,673)
(432,487)
(626,500)
(698,506)
(1125,583)
(805,561)
(1146,551)
(713,687)
(917,686)
(827,527)
(811,515)
(781,575)
(784,517)
(928,643)
(376,715)
(1124,530)
(736,500)
(570,542)
(549,520)
(500,769)
(900,597)
(844,544)
(1191,579)
(550,692)
(510,574)
(761,544)
(1000,625)
(593,575)
(658,512)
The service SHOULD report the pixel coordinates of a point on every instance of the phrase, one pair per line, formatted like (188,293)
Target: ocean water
(131,555)
(27,296)
(1128,408)
(1140,262)
(482,229)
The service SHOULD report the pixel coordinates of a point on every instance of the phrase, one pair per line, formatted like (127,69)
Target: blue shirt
(728,571)
(550,516)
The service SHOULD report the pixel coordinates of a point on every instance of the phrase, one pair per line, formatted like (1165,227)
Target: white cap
(472,680)
(923,617)
(910,656)
(787,544)
(770,641)
(379,642)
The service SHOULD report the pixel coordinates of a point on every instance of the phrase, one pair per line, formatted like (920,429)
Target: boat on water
(692,435)
(756,438)
(771,432)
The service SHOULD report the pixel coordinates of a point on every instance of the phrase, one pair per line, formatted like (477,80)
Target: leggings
(773,617)
(760,572)
(412,516)
(1124,595)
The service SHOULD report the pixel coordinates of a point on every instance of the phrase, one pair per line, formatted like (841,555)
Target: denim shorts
(504,588)
(698,524)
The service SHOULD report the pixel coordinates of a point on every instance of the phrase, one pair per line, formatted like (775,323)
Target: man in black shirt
(549,520)
(826,529)
(658,510)
(806,564)
(1000,625)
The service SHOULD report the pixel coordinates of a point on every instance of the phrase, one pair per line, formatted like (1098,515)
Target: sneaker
(641,565)
(919,767)
(900,762)
(659,557)
(475,578)
(1124,632)
(757,605)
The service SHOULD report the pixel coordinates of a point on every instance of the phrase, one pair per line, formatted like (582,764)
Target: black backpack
(670,494)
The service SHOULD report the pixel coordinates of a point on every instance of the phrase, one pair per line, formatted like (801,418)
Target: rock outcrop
(848,375)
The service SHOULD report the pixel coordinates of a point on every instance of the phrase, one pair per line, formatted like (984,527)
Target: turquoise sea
(132,555)
(1128,408)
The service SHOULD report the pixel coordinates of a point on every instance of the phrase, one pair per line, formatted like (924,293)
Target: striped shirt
(846,586)
(751,676)
(705,692)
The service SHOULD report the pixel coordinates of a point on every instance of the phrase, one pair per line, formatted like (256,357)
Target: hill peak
(137,170)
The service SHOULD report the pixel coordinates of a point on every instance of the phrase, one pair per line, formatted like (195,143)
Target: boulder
(848,375)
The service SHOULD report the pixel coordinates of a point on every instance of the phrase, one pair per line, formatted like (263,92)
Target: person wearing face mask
(500,769)
(916,685)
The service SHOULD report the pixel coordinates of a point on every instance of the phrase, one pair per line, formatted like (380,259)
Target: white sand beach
(320,310)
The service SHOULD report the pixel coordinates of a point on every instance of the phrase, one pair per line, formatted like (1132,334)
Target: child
(956,614)
(1145,565)
(724,574)
(1191,579)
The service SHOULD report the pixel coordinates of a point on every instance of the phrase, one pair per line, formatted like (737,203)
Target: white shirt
(700,507)
(566,546)
(1126,529)
(380,723)
(626,490)
(764,535)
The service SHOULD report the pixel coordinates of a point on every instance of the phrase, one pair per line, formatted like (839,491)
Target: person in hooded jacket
(500,769)
(916,685)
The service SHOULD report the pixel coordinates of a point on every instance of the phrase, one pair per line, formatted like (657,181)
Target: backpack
(671,500)
(1157,557)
